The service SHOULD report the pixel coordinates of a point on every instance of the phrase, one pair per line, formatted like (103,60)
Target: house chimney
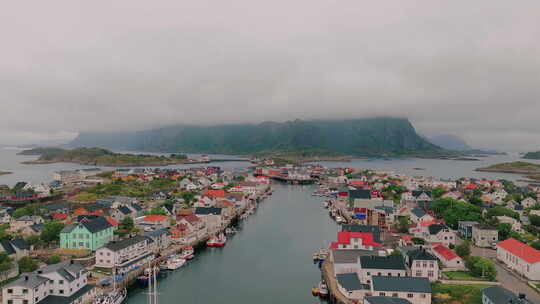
(522,296)
(26,278)
(71,262)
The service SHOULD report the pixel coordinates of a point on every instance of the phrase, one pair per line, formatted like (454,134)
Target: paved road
(508,279)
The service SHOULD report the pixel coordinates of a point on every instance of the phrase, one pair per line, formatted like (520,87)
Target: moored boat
(217,241)
(175,263)
(187,253)
(114,297)
(323,290)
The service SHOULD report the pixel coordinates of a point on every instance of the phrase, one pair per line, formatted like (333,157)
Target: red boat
(188,253)
(217,241)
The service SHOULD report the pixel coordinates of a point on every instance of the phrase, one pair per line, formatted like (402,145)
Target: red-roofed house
(112,222)
(156,220)
(448,257)
(520,257)
(214,193)
(59,216)
(355,240)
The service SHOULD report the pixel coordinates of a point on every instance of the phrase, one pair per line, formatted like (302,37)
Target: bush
(54,259)
(481,267)
(27,264)
(418,241)
(463,249)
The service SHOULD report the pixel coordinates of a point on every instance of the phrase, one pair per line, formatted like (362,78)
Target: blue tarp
(361,216)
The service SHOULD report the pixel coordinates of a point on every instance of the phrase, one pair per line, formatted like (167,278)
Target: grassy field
(454,294)
(462,276)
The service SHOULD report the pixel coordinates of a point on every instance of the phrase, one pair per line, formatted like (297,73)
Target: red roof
(155,218)
(344,238)
(192,218)
(112,221)
(59,216)
(471,186)
(523,251)
(445,252)
(214,193)
(428,223)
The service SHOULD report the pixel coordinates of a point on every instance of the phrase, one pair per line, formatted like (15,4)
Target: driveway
(508,279)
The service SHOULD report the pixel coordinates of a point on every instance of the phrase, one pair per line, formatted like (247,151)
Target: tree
(403,224)
(438,192)
(501,211)
(54,259)
(188,197)
(463,249)
(33,240)
(535,220)
(453,211)
(157,210)
(418,241)
(481,267)
(27,264)
(126,223)
(6,264)
(395,252)
(51,232)
(504,230)
(536,245)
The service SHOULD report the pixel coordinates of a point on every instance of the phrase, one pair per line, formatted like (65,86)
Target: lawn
(462,294)
(462,276)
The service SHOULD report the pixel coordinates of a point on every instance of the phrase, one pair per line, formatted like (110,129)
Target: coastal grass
(463,294)
(462,276)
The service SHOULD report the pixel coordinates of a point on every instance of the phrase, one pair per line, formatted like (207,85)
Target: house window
(430,274)
(61,291)
(25,291)
(369,273)
(389,274)
(10,302)
(382,294)
(51,291)
(395,295)
(410,295)
(61,282)
(418,273)
(25,301)
(423,296)
(10,291)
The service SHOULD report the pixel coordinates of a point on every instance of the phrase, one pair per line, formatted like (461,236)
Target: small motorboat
(188,253)
(339,219)
(315,291)
(175,263)
(217,241)
(230,230)
(323,290)
(144,278)
(114,297)
(315,256)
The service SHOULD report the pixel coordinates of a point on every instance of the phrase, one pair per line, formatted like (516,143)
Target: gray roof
(420,254)
(119,245)
(501,295)
(376,230)
(67,269)
(92,225)
(382,262)
(436,228)
(386,300)
(125,210)
(206,211)
(67,300)
(156,233)
(350,282)
(418,212)
(28,280)
(401,284)
(366,194)
(349,256)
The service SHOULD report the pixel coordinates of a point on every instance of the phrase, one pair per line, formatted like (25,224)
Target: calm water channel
(267,261)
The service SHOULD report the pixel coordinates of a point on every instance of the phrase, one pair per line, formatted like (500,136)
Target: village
(91,234)
(424,240)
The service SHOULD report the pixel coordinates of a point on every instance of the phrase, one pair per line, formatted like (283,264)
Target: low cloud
(452,67)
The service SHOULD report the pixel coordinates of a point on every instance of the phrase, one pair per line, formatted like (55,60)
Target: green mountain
(367,137)
(532,155)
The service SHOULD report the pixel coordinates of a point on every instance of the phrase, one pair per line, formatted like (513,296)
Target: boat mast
(149,277)
(155,286)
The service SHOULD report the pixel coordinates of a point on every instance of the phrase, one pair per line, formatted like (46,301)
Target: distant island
(531,170)
(367,137)
(532,155)
(5,172)
(101,157)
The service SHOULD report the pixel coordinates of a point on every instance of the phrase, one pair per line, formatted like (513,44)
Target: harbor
(267,261)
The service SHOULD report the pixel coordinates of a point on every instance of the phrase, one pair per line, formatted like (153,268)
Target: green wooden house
(88,234)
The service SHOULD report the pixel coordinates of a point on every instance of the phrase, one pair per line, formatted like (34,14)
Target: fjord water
(268,261)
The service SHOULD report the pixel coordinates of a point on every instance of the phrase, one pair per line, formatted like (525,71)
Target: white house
(126,254)
(520,257)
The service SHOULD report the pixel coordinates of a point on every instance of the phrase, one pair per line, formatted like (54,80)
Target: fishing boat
(325,204)
(323,290)
(144,278)
(315,291)
(174,263)
(187,253)
(217,241)
(339,219)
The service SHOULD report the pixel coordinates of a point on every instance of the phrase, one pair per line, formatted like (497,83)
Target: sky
(470,69)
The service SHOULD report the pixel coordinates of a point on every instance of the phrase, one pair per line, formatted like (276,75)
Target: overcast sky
(468,68)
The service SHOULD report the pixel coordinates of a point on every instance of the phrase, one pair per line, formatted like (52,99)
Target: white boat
(115,297)
(325,204)
(175,263)
(230,230)
(188,253)
(339,219)
(323,290)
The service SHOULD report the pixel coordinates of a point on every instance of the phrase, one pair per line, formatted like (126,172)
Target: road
(508,279)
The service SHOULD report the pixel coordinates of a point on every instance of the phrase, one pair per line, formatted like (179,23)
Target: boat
(315,291)
(315,256)
(217,241)
(230,230)
(325,204)
(323,290)
(175,263)
(188,253)
(339,219)
(114,297)
(144,278)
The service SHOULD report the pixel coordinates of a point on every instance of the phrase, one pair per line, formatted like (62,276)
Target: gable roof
(349,256)
(436,228)
(418,212)
(523,251)
(420,254)
(119,245)
(350,282)
(445,252)
(404,284)
(125,210)
(382,262)
(96,225)
(501,295)
(344,238)
(375,230)
(207,211)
